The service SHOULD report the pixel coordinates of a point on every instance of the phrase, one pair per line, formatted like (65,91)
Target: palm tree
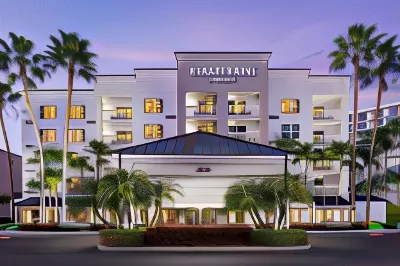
(338,150)
(7,99)
(99,149)
(81,163)
(355,48)
(387,63)
(72,53)
(122,190)
(163,190)
(19,54)
(302,151)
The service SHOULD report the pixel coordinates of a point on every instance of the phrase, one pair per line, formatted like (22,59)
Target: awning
(35,201)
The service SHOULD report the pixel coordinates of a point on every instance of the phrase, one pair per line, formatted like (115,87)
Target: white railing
(325,191)
(113,115)
(248,136)
(250,110)
(112,140)
(334,114)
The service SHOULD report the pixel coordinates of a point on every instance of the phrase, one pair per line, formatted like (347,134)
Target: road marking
(5,237)
(375,234)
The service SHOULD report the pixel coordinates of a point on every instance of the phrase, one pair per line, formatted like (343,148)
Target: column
(313,212)
(222,113)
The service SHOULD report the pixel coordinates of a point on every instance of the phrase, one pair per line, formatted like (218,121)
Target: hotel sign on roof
(223,74)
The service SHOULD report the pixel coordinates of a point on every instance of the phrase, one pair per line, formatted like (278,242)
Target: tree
(72,53)
(19,54)
(355,48)
(163,190)
(302,151)
(125,191)
(81,163)
(387,62)
(7,99)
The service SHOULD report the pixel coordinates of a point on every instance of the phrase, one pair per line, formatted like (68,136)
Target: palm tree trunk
(253,218)
(71,71)
(305,173)
(368,204)
(258,217)
(39,141)
(355,120)
(56,203)
(82,185)
(129,217)
(384,174)
(155,216)
(3,128)
(135,215)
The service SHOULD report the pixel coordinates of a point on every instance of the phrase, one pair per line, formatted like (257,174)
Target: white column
(287,214)
(277,218)
(313,212)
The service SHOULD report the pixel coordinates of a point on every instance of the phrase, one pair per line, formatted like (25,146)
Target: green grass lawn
(5,226)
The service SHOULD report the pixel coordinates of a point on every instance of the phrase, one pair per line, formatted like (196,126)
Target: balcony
(323,117)
(246,136)
(327,117)
(246,111)
(113,140)
(116,115)
(241,113)
(196,113)
(326,191)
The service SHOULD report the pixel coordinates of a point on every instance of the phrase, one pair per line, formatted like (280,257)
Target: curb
(199,249)
(382,231)
(44,234)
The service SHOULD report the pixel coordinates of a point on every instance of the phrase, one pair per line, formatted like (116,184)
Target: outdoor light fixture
(203,170)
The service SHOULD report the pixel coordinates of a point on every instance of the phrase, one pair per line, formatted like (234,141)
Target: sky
(128,34)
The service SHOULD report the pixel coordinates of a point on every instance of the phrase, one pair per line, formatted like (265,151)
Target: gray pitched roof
(202,143)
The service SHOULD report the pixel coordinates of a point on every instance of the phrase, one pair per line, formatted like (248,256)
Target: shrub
(309,227)
(5,226)
(98,227)
(358,226)
(199,235)
(279,238)
(121,238)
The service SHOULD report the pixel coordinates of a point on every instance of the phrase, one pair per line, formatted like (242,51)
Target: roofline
(118,151)
(374,108)
(11,153)
(223,52)
(167,68)
(327,75)
(117,75)
(75,90)
(289,69)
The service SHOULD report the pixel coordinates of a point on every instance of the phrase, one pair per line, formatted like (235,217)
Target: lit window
(124,136)
(48,135)
(153,105)
(74,155)
(153,131)
(48,112)
(77,112)
(122,113)
(76,135)
(290,106)
(208,127)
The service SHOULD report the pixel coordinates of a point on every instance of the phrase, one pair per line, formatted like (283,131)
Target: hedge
(122,238)
(279,238)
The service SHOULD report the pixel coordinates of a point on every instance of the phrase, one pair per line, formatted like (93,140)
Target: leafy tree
(125,191)
(164,190)
(355,48)
(19,55)
(81,163)
(7,100)
(72,53)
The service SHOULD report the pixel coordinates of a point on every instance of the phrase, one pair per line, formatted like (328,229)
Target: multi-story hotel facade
(234,95)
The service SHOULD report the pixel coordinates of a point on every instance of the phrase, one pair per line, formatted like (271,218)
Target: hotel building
(238,104)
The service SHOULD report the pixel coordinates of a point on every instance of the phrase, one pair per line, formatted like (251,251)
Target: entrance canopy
(202,144)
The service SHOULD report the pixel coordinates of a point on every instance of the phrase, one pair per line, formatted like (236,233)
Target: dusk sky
(145,33)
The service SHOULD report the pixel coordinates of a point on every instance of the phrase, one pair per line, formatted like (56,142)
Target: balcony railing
(240,113)
(120,141)
(114,115)
(323,117)
(321,168)
(204,113)
(326,191)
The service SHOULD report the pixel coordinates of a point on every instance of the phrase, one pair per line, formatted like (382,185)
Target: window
(290,106)
(393,111)
(237,107)
(153,131)
(77,112)
(48,112)
(208,127)
(350,118)
(76,135)
(74,155)
(48,135)
(350,128)
(153,105)
(238,129)
(318,111)
(323,165)
(122,113)
(362,125)
(124,136)
(362,116)
(290,131)
(318,137)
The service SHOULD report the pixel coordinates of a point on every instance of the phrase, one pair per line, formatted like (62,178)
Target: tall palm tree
(387,62)
(356,48)
(100,150)
(123,190)
(7,99)
(19,55)
(72,53)
(163,190)
(81,163)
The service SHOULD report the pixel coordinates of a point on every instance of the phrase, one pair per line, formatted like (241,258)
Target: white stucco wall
(378,211)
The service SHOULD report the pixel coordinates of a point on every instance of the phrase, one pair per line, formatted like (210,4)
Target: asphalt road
(328,249)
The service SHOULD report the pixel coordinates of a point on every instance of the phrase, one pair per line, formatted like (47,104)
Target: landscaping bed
(203,236)
(328,227)
(52,227)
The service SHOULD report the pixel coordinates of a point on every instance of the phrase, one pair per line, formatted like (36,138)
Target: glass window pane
(295,135)
(295,127)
